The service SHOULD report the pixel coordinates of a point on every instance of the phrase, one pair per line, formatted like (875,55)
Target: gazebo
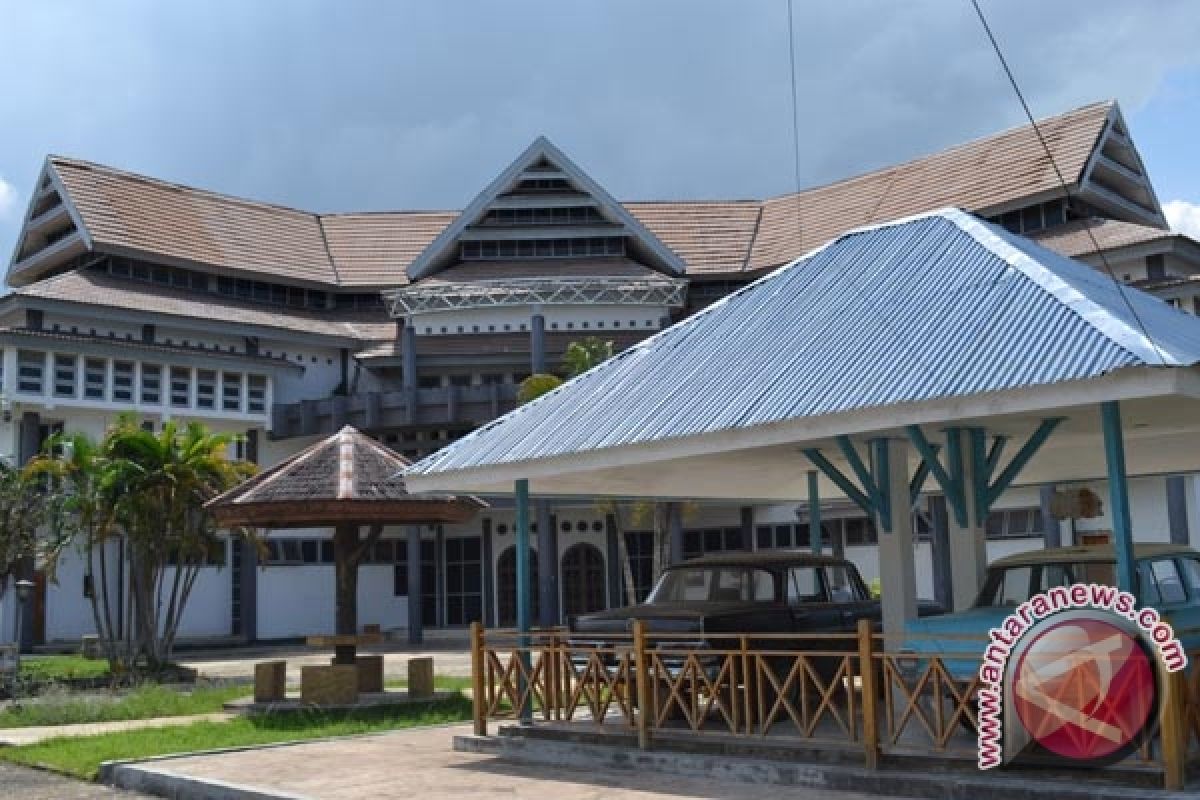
(349,482)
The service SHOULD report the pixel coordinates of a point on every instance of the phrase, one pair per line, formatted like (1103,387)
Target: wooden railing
(860,691)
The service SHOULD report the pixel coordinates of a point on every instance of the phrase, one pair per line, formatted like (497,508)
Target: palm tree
(159,483)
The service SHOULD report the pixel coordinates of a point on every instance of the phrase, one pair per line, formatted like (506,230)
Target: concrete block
(420,678)
(370,673)
(270,681)
(329,686)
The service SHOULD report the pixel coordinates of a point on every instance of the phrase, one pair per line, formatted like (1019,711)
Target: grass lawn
(65,708)
(82,756)
(47,669)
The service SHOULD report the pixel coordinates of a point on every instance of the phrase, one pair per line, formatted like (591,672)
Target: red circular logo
(1084,689)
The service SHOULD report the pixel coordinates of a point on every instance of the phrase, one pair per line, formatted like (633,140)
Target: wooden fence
(814,689)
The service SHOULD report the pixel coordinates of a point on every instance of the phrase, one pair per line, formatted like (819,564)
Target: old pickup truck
(738,593)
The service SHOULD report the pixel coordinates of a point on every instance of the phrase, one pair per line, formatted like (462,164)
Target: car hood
(681,616)
(922,635)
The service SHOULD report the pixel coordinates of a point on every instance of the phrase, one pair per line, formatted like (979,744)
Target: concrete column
(547,539)
(968,545)
(416,629)
(897,567)
(489,577)
(940,552)
(1177,509)
(1051,529)
(747,520)
(408,354)
(675,531)
(616,588)
(537,343)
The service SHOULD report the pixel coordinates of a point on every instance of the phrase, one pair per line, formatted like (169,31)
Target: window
(460,380)
(181,387)
(860,531)
(30,368)
(151,384)
(1014,523)
(206,389)
(730,584)
(464,581)
(256,394)
(122,382)
(231,391)
(804,585)
(93,378)
(64,375)
(1191,571)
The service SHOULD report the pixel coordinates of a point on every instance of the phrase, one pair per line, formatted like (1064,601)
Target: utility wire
(795,126)
(1121,288)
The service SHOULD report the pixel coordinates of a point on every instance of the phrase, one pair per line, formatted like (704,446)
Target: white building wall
(584,320)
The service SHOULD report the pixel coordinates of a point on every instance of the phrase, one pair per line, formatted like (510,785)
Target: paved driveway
(422,764)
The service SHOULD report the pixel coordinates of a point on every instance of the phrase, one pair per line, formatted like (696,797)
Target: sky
(355,105)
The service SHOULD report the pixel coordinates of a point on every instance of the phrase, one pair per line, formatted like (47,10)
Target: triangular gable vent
(543,206)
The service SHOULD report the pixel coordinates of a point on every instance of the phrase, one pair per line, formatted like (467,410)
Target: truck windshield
(718,584)
(1011,586)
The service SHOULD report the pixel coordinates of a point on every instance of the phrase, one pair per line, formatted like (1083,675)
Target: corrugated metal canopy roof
(936,306)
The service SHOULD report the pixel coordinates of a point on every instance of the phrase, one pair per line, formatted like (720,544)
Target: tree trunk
(345,543)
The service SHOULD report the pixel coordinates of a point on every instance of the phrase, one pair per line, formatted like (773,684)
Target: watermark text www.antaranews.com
(1004,638)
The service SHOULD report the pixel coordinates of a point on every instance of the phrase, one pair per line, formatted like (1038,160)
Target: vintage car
(739,593)
(1167,578)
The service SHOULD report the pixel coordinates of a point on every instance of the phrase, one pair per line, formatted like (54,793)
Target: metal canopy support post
(943,579)
(524,591)
(547,538)
(897,568)
(1118,493)
(675,531)
(814,513)
(416,627)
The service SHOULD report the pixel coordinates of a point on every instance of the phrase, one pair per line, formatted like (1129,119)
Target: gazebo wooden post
(345,545)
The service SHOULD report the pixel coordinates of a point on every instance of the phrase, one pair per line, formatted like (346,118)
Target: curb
(836,777)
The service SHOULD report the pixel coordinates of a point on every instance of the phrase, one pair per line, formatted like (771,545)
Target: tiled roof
(341,476)
(1074,241)
(710,237)
(977,176)
(132,212)
(135,214)
(374,249)
(88,287)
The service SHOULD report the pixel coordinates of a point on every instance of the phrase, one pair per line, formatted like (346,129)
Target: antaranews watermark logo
(1073,672)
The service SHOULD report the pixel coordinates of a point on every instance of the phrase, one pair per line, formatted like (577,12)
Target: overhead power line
(1097,250)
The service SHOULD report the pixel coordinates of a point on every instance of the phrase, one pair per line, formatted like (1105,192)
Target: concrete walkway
(13,737)
(239,664)
(418,764)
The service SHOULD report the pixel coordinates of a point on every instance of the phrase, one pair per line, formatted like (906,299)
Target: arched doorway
(582,579)
(506,588)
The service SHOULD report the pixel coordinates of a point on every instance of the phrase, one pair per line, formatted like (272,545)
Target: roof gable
(543,158)
(936,306)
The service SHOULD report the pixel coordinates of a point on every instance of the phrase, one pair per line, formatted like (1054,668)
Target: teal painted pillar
(524,590)
(814,513)
(523,587)
(1118,493)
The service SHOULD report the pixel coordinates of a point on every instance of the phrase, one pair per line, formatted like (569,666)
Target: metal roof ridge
(1131,338)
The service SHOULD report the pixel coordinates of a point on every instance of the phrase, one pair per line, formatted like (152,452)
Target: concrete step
(923,779)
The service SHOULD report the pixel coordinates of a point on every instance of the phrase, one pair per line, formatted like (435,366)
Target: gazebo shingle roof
(346,478)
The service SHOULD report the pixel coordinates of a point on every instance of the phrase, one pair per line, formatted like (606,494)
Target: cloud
(8,199)
(1183,217)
